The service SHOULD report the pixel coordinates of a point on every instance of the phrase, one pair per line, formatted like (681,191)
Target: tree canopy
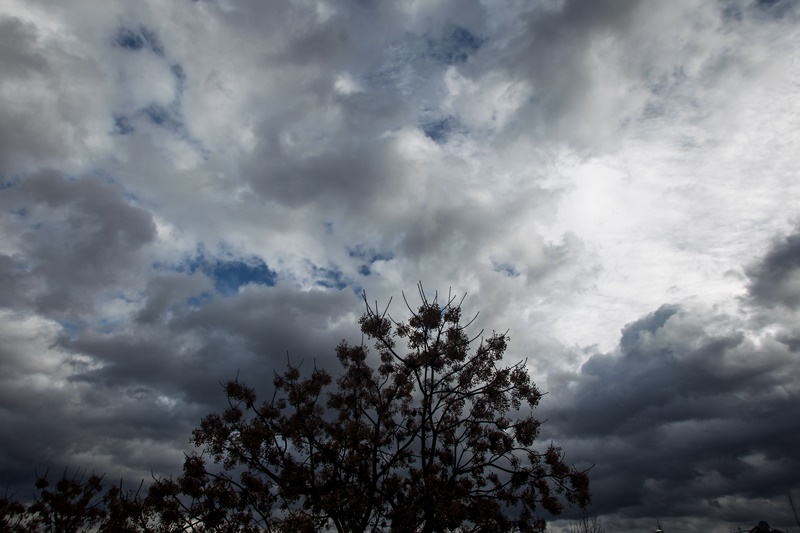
(433,432)
(437,435)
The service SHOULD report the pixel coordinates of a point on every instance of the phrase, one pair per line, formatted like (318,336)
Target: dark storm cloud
(689,413)
(270,323)
(55,421)
(150,382)
(189,352)
(75,242)
(121,431)
(775,280)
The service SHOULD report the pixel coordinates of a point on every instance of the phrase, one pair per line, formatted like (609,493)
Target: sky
(191,189)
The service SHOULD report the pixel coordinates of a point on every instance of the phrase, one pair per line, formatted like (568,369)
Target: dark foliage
(74,505)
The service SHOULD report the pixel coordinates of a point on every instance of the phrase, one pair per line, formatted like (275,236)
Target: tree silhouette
(439,437)
(73,505)
(12,514)
(587,523)
(435,436)
(203,501)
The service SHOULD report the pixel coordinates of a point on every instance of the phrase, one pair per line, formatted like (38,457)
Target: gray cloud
(169,291)
(25,65)
(18,48)
(129,395)
(775,280)
(75,238)
(595,69)
(350,176)
(693,414)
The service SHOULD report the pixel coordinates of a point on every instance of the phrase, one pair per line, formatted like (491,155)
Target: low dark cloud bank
(695,413)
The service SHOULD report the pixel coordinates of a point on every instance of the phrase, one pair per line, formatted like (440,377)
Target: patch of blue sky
(368,256)
(200,300)
(71,330)
(131,197)
(506,269)
(9,183)
(109,326)
(22,212)
(229,274)
(163,117)
(169,117)
(456,47)
(105,175)
(180,77)
(122,125)
(330,278)
(440,130)
(140,39)
(130,39)
(152,40)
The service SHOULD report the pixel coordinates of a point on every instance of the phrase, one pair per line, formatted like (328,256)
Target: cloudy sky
(191,189)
